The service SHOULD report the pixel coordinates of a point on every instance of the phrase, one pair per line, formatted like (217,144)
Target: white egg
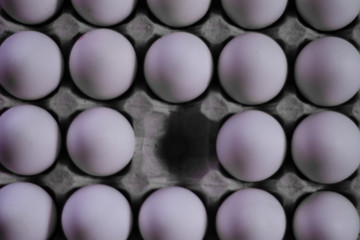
(31,11)
(254,14)
(103,64)
(26,212)
(325,147)
(252,68)
(31,65)
(327,71)
(29,139)
(179,13)
(328,15)
(100,141)
(326,215)
(178,67)
(97,212)
(172,213)
(250,214)
(104,12)
(251,145)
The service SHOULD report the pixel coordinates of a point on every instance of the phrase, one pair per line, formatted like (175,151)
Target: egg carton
(175,143)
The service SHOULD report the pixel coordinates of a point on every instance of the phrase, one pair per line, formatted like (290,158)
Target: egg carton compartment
(175,143)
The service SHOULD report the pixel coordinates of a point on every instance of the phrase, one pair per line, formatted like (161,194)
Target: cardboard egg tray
(176,142)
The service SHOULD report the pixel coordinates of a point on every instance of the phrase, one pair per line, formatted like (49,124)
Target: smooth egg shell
(97,212)
(31,11)
(254,14)
(29,139)
(26,212)
(327,71)
(325,147)
(31,65)
(251,214)
(104,12)
(328,15)
(179,13)
(172,213)
(100,141)
(178,67)
(103,64)
(326,215)
(251,145)
(252,68)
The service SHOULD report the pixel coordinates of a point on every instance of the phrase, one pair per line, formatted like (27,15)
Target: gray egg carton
(176,142)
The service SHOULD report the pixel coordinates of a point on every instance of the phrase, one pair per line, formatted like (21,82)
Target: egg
(179,13)
(178,67)
(26,212)
(328,15)
(31,65)
(249,214)
(327,71)
(100,141)
(172,213)
(31,11)
(251,145)
(105,12)
(29,140)
(252,68)
(325,147)
(96,212)
(326,215)
(254,14)
(103,64)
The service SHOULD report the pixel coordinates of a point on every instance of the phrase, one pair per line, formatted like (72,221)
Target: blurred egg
(326,215)
(251,214)
(31,11)
(254,14)
(327,71)
(97,212)
(31,65)
(104,12)
(26,212)
(328,15)
(103,64)
(29,139)
(325,147)
(172,213)
(251,145)
(100,141)
(252,68)
(179,13)
(178,67)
